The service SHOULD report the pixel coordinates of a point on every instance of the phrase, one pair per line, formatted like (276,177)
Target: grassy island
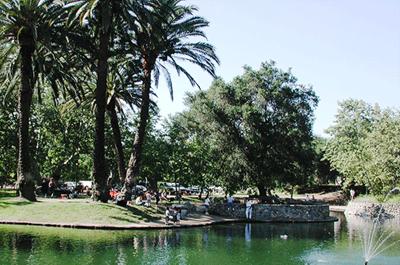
(77,211)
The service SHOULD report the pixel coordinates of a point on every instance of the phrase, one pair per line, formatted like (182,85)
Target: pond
(315,243)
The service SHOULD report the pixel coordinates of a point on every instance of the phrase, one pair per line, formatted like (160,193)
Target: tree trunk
(201,193)
(262,190)
(153,183)
(25,180)
(136,155)
(117,141)
(101,189)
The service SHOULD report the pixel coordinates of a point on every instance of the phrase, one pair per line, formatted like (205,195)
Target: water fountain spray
(374,244)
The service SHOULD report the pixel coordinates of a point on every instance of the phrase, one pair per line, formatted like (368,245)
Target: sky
(342,48)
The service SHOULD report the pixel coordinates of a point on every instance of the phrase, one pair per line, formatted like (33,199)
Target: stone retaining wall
(276,213)
(369,209)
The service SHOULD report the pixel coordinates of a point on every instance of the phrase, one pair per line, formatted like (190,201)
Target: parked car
(70,185)
(173,187)
(86,183)
(139,189)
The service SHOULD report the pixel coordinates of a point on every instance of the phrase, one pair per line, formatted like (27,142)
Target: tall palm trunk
(25,180)
(99,162)
(119,152)
(136,155)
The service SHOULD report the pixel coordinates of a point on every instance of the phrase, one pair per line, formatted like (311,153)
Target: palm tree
(27,27)
(100,14)
(163,30)
(121,93)
(118,97)
(103,17)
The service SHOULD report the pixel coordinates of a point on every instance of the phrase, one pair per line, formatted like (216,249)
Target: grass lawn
(7,193)
(75,211)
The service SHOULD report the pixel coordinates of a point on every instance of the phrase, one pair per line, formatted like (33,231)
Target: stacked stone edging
(370,209)
(276,213)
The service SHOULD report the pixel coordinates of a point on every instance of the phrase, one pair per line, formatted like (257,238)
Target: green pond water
(317,243)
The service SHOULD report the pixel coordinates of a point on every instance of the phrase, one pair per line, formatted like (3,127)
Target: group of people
(145,198)
(48,187)
(172,214)
(248,205)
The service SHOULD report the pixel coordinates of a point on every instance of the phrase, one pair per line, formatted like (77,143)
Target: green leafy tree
(191,160)
(156,156)
(260,124)
(345,150)
(8,139)
(364,147)
(383,153)
(63,145)
(324,173)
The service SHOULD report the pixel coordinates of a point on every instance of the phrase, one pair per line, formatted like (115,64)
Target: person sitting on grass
(148,199)
(139,200)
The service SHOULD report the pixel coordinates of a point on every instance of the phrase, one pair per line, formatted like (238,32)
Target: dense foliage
(259,125)
(82,47)
(365,147)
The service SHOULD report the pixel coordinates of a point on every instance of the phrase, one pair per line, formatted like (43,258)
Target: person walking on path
(249,209)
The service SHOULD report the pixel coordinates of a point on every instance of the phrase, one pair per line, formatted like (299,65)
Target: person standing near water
(229,201)
(352,194)
(207,204)
(249,209)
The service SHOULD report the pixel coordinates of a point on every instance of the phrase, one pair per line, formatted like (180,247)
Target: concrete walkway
(337,208)
(194,220)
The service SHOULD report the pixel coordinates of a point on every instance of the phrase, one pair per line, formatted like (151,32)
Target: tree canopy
(365,147)
(260,124)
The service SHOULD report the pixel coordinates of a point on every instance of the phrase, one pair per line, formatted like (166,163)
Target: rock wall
(276,213)
(369,209)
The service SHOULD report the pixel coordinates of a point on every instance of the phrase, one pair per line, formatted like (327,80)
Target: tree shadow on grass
(123,219)
(145,214)
(5,194)
(140,213)
(5,204)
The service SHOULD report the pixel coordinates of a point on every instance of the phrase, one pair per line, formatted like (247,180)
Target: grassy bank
(77,211)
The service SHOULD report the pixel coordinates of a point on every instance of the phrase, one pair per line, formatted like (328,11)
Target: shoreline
(192,221)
